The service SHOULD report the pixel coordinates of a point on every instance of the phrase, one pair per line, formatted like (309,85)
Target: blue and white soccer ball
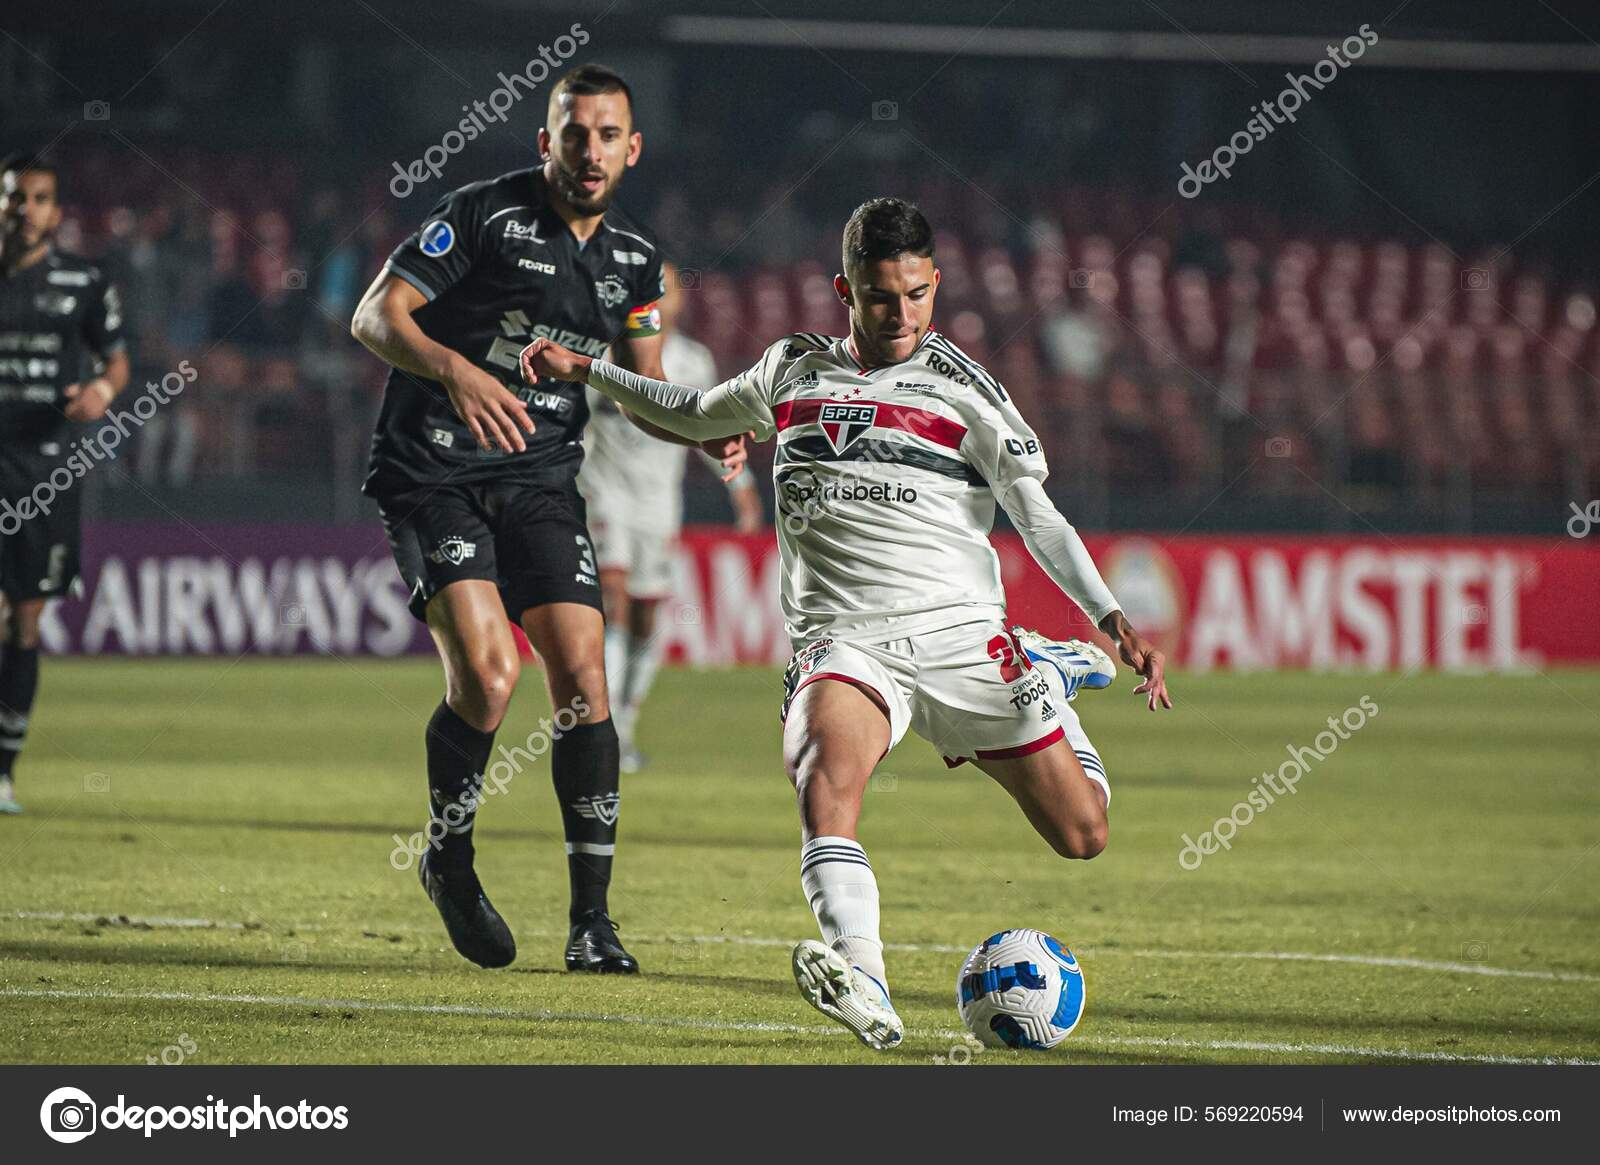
(1020,989)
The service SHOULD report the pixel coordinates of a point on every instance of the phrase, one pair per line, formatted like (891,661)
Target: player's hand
(1139,654)
(549,359)
(730,451)
(496,416)
(90,400)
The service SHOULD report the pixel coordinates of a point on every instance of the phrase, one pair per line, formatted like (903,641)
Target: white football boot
(847,995)
(1071,663)
(8,797)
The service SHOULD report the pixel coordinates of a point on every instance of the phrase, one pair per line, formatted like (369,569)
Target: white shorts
(644,553)
(969,690)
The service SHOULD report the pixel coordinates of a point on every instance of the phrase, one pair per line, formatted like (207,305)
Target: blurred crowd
(1160,349)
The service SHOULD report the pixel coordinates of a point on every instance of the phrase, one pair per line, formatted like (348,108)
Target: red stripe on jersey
(1021,750)
(920,422)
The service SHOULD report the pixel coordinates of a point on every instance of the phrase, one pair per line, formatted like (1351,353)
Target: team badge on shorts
(842,424)
(805,663)
(455,551)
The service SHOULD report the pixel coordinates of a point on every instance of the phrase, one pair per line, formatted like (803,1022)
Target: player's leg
(613,545)
(19,683)
(1060,800)
(643,661)
(837,726)
(979,697)
(614,601)
(38,562)
(474,641)
(552,582)
(585,766)
(446,556)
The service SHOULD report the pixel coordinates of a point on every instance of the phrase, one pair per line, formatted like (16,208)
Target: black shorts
(41,534)
(531,541)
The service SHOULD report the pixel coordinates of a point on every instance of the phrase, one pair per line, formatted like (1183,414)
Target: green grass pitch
(203,874)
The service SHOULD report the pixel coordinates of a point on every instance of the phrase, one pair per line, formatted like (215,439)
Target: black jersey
(501,268)
(55,316)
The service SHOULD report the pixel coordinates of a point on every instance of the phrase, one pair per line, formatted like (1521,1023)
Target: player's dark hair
(591,80)
(882,228)
(27,162)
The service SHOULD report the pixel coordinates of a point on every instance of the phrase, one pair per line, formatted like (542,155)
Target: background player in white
(894,447)
(634,487)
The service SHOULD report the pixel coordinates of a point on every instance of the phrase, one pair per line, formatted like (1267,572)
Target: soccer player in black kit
(59,317)
(474,475)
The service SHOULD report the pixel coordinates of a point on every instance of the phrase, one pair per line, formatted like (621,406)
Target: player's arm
(688,412)
(90,400)
(1060,552)
(638,350)
(102,331)
(383,322)
(641,353)
(1001,446)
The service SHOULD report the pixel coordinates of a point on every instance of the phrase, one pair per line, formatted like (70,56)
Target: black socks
(457,756)
(19,680)
(583,764)
(583,767)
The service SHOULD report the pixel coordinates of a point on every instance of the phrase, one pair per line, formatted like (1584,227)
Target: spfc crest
(842,424)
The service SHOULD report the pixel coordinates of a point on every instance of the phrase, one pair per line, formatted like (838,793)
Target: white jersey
(886,481)
(628,472)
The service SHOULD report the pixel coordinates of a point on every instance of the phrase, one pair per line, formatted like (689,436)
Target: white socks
(631,665)
(838,882)
(616,663)
(644,658)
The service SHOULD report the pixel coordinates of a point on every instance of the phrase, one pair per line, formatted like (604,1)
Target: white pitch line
(1114,952)
(1392,961)
(153,921)
(446,1009)
(1371,961)
(463,1010)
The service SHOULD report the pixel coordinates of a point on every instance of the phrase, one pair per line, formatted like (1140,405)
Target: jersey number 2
(1013,662)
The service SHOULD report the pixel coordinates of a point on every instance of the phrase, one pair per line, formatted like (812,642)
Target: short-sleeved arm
(999,444)
(644,312)
(438,255)
(102,320)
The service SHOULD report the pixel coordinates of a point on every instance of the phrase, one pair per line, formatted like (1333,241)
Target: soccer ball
(1020,989)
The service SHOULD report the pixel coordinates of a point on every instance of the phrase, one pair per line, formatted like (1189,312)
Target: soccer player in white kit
(633,485)
(893,448)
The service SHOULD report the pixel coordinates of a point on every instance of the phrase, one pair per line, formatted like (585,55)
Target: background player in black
(57,315)
(475,481)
